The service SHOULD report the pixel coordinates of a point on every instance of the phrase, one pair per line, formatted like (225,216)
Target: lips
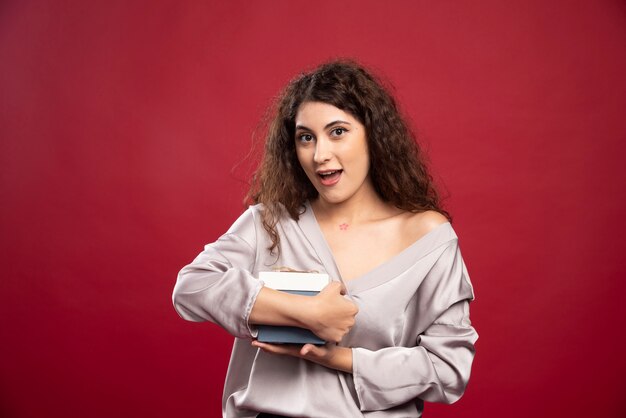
(329,177)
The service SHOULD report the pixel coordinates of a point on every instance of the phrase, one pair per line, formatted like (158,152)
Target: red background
(120,123)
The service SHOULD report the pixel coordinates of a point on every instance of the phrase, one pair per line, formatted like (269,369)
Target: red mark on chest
(343,226)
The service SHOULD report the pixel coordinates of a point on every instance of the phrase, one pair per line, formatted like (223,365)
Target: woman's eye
(305,137)
(339,131)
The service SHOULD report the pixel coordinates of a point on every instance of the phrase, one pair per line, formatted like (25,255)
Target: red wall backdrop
(120,123)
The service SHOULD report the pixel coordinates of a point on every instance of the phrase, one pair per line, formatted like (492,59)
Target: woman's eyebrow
(325,127)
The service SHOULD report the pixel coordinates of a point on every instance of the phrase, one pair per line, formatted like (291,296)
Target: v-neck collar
(382,273)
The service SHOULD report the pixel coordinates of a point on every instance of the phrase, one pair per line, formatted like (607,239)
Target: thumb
(343,290)
(340,287)
(310,349)
(332,287)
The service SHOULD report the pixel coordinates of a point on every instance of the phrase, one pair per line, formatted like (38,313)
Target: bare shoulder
(419,224)
(429,219)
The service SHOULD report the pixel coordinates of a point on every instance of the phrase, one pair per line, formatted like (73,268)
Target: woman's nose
(322,150)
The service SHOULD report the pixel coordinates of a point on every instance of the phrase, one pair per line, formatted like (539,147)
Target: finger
(270,348)
(338,287)
(313,350)
(330,287)
(306,349)
(342,290)
(283,349)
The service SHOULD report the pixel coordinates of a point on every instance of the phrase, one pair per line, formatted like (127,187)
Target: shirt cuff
(252,329)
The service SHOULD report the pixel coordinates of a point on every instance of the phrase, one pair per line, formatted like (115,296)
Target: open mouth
(328,178)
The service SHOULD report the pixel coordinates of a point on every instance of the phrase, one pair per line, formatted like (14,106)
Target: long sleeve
(436,368)
(217,286)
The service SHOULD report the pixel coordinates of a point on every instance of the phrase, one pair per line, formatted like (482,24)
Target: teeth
(328,173)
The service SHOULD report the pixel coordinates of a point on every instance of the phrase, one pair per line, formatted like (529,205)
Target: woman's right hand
(331,315)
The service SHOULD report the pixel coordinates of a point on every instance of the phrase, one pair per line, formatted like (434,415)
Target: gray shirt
(412,341)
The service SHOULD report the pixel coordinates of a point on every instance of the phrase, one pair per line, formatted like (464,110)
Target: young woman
(342,189)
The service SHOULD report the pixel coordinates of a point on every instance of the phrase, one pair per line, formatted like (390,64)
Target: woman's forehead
(320,113)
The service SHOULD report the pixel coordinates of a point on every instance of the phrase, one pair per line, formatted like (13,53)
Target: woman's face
(331,146)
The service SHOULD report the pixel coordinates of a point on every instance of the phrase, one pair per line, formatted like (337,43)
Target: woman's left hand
(329,355)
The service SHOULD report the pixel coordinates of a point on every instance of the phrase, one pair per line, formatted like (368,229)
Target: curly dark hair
(397,167)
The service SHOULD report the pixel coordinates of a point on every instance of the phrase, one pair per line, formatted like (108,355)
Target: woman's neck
(356,210)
